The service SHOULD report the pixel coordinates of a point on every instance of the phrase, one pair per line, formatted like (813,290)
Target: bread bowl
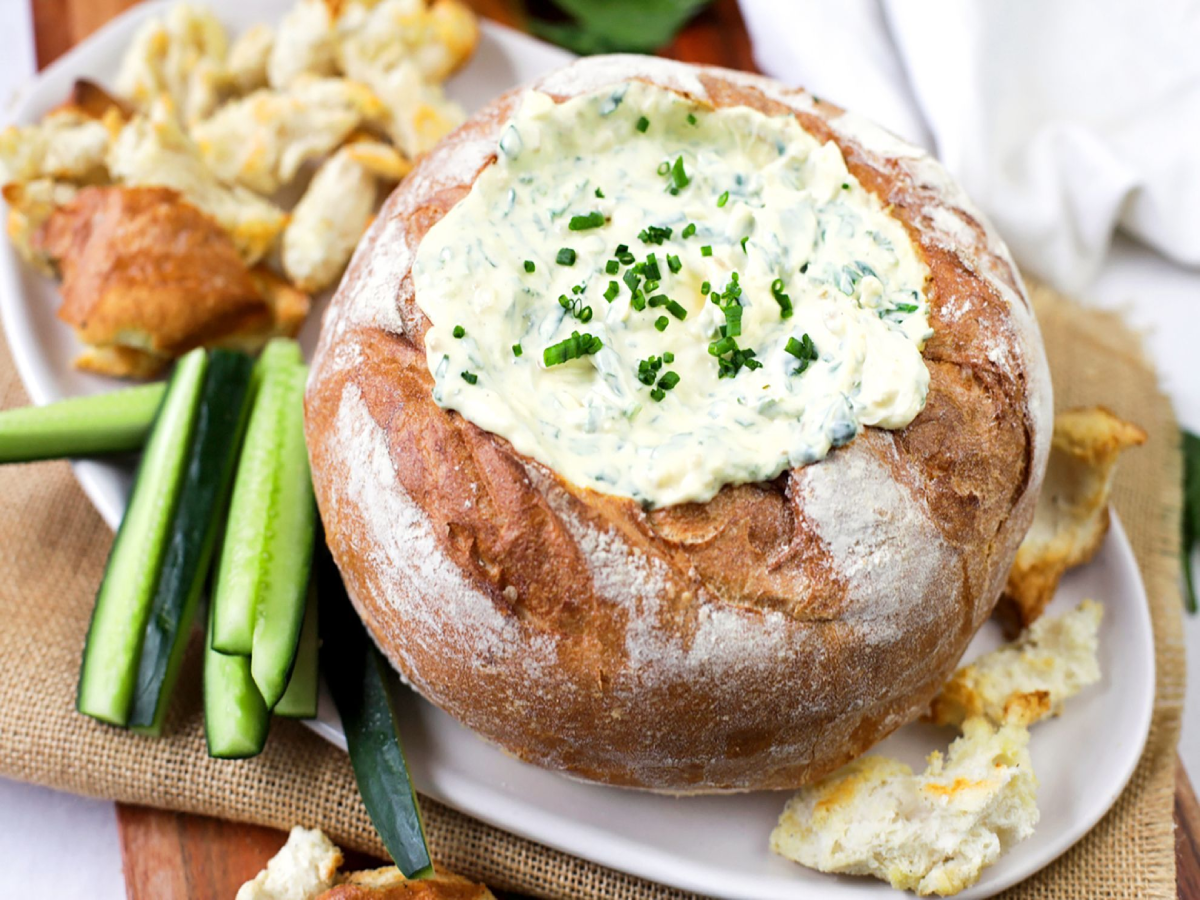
(755,638)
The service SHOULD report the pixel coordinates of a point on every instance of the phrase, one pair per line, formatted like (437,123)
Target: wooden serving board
(175,856)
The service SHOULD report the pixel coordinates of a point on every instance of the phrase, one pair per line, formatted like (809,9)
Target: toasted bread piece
(147,276)
(305,44)
(1072,510)
(152,150)
(30,204)
(437,37)
(304,867)
(66,146)
(262,140)
(932,833)
(389,884)
(90,100)
(246,67)
(1030,678)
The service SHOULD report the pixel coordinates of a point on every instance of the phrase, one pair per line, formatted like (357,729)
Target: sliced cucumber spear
(364,688)
(235,718)
(208,475)
(299,701)
(113,648)
(117,422)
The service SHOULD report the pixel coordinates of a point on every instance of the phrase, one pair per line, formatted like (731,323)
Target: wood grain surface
(174,856)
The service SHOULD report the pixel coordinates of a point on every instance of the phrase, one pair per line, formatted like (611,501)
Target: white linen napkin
(1062,119)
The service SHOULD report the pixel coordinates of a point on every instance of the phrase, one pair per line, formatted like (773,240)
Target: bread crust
(759,640)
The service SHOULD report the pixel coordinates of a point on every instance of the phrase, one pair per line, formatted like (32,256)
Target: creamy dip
(785,307)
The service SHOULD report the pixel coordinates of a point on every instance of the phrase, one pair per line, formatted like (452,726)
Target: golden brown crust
(147,276)
(389,884)
(756,641)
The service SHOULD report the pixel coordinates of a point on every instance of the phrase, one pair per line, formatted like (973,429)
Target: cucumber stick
(299,701)
(117,422)
(365,690)
(208,475)
(113,648)
(235,718)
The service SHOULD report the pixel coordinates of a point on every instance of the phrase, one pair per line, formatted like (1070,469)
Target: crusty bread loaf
(759,640)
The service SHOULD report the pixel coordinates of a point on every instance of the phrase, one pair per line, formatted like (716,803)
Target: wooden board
(174,856)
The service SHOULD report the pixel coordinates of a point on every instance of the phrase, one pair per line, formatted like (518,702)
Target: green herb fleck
(691,119)
(689,229)
(612,267)
(679,177)
(459,331)
(669,379)
(565,257)
(654,234)
(804,350)
(674,264)
(661,323)
(610,292)
(574,347)
(583,223)
(517,351)
(723,199)
(743,243)
(784,301)
(600,193)
(529,266)
(664,167)
(469,377)
(668,357)
(706,250)
(642,124)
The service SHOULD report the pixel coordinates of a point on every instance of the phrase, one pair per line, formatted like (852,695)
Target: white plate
(712,845)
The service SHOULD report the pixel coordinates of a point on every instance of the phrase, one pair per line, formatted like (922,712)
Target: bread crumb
(932,833)
(305,867)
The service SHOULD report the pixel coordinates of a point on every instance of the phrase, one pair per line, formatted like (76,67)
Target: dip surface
(765,305)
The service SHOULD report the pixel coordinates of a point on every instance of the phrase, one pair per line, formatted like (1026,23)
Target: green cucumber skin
(114,641)
(299,701)
(116,422)
(242,568)
(279,610)
(236,720)
(202,499)
(364,690)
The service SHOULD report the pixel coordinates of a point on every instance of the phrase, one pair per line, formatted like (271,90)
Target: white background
(41,829)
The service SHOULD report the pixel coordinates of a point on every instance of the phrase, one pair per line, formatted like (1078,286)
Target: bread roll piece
(1029,679)
(932,833)
(759,640)
(304,868)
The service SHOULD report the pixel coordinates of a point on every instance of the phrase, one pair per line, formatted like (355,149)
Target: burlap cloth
(52,551)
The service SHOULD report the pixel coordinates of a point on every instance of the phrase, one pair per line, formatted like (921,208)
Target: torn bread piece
(67,145)
(30,204)
(91,101)
(1072,511)
(147,277)
(246,65)
(418,113)
(1028,679)
(305,867)
(153,151)
(388,884)
(180,55)
(305,44)
(335,211)
(262,140)
(932,833)
(437,37)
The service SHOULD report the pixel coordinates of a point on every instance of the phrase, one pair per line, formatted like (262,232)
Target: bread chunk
(932,833)
(1028,679)
(389,884)
(305,867)
(1071,518)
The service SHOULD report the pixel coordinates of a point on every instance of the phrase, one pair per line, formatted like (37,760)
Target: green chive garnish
(675,265)
(651,270)
(706,250)
(639,301)
(705,288)
(610,292)
(669,379)
(906,307)
(654,234)
(676,310)
(723,199)
(664,168)
(679,178)
(600,193)
(459,331)
(642,124)
(743,242)
(517,351)
(784,301)
(565,257)
(612,267)
(804,350)
(469,377)
(631,280)
(583,223)
(691,119)
(657,395)
(574,347)
(689,229)
(585,314)
(668,357)
(661,323)
(529,266)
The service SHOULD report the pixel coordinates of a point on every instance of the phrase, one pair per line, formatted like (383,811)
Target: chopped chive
(803,268)
(583,223)
(574,347)
(676,310)
(722,346)
(517,351)
(585,314)
(654,234)
(743,242)
(675,265)
(691,119)
(657,395)
(610,292)
(733,320)
(679,177)
(600,193)
(661,323)
(669,379)
(706,250)
(642,124)
(664,167)
(689,229)
(668,357)
(651,270)
(723,199)
(529,266)
(705,288)
(784,301)
(622,248)
(906,307)
(845,185)
(564,301)
(612,267)
(631,280)
(639,301)
(565,257)
(804,350)
(469,377)
(459,331)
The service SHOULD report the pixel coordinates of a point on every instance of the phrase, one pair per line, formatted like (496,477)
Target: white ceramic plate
(712,845)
